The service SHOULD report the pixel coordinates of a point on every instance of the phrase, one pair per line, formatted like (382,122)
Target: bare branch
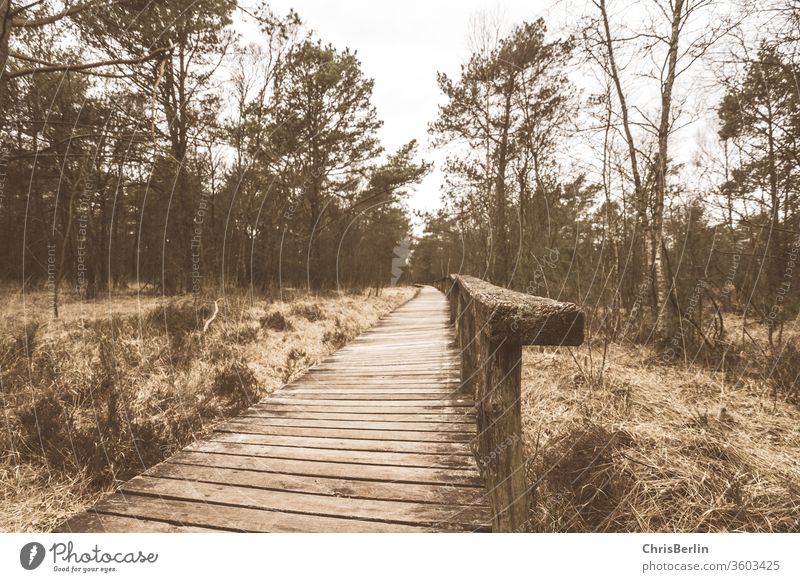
(83,67)
(52,18)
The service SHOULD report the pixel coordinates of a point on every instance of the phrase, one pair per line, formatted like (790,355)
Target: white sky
(401,46)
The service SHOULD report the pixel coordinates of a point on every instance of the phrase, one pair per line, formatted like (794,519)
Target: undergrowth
(641,444)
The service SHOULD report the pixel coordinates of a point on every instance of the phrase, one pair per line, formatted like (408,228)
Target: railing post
(500,451)
(467,345)
(452,293)
(492,325)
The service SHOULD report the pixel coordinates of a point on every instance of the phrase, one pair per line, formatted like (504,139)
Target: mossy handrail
(492,324)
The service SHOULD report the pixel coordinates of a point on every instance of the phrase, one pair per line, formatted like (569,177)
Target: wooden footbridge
(384,435)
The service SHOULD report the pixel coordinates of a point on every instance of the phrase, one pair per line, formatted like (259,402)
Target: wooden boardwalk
(376,438)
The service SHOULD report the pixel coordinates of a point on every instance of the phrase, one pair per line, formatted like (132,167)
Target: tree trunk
(500,234)
(314,261)
(772,250)
(5,35)
(64,242)
(664,323)
(639,196)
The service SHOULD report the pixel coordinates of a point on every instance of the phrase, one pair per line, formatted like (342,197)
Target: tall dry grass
(116,385)
(646,445)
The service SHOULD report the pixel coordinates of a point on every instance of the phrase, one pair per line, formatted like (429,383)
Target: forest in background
(568,175)
(150,144)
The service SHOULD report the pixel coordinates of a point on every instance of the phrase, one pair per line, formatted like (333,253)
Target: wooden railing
(492,324)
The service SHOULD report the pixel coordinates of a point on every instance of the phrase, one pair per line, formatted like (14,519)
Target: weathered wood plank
(350,434)
(337,456)
(464,429)
(457,419)
(103,522)
(337,487)
(405,512)
(379,391)
(422,475)
(232,518)
(448,397)
(377,385)
(463,414)
(378,445)
(521,318)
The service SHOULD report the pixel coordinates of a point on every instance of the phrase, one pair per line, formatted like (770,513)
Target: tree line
(568,174)
(147,143)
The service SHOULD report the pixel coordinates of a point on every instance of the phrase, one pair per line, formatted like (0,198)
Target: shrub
(336,338)
(179,317)
(241,334)
(580,468)
(784,373)
(277,320)
(237,382)
(309,311)
(296,360)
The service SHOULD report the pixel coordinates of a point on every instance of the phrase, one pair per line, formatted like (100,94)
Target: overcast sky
(402,45)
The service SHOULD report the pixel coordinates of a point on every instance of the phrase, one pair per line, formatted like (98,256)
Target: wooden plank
(377,384)
(422,475)
(396,360)
(461,414)
(448,398)
(347,433)
(374,394)
(402,512)
(242,519)
(403,344)
(355,386)
(390,446)
(327,414)
(344,367)
(336,456)
(425,376)
(336,487)
(92,521)
(378,391)
(386,339)
(367,360)
(449,414)
(398,407)
(464,428)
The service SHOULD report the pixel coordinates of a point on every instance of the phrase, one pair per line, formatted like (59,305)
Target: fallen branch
(212,318)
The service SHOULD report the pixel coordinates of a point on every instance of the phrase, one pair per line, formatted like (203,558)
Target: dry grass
(652,447)
(116,385)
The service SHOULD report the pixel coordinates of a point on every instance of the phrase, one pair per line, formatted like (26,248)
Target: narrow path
(375,438)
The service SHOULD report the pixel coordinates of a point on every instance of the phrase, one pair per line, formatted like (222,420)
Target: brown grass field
(117,384)
(655,447)
(634,444)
